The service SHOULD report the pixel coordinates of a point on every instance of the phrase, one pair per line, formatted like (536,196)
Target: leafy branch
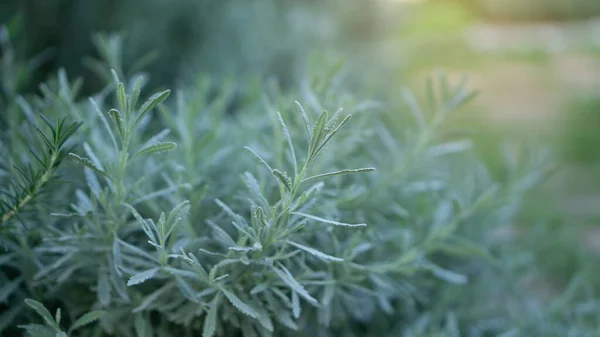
(33,180)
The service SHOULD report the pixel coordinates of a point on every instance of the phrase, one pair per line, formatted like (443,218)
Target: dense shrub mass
(173,40)
(195,212)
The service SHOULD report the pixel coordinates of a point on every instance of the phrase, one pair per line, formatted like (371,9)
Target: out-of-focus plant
(535,10)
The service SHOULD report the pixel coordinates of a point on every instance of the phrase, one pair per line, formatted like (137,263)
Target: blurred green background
(535,62)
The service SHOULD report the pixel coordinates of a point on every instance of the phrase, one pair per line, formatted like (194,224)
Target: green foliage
(178,216)
(578,130)
(536,10)
(230,37)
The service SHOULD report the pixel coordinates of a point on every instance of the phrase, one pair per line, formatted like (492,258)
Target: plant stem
(36,187)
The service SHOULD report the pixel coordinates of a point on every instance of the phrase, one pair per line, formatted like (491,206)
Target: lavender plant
(176,218)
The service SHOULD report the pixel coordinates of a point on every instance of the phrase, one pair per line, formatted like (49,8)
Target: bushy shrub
(134,213)
(221,38)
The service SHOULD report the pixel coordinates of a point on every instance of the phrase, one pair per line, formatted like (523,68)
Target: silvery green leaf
(344,171)
(240,305)
(103,290)
(118,119)
(330,222)
(286,134)
(259,159)
(38,330)
(446,275)
(328,134)
(254,187)
(264,319)
(306,120)
(159,147)
(255,247)
(450,148)
(151,298)
(213,272)
(118,283)
(87,162)
(284,179)
(289,280)
(135,93)
(318,132)
(122,97)
(142,277)
(286,319)
(116,250)
(142,326)
(153,101)
(177,212)
(210,322)
(105,123)
(43,312)
(92,182)
(87,318)
(315,252)
(296,309)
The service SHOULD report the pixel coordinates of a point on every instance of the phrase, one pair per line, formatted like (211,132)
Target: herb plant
(168,214)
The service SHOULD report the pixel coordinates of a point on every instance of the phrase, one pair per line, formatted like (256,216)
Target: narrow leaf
(315,252)
(149,299)
(288,138)
(283,178)
(317,135)
(135,94)
(153,101)
(331,134)
(306,120)
(446,275)
(210,322)
(88,163)
(142,277)
(259,158)
(87,319)
(344,171)
(330,222)
(103,290)
(159,147)
(288,279)
(450,148)
(116,250)
(240,305)
(296,309)
(121,97)
(43,312)
(118,119)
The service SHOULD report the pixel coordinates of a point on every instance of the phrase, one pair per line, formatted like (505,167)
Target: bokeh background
(535,62)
